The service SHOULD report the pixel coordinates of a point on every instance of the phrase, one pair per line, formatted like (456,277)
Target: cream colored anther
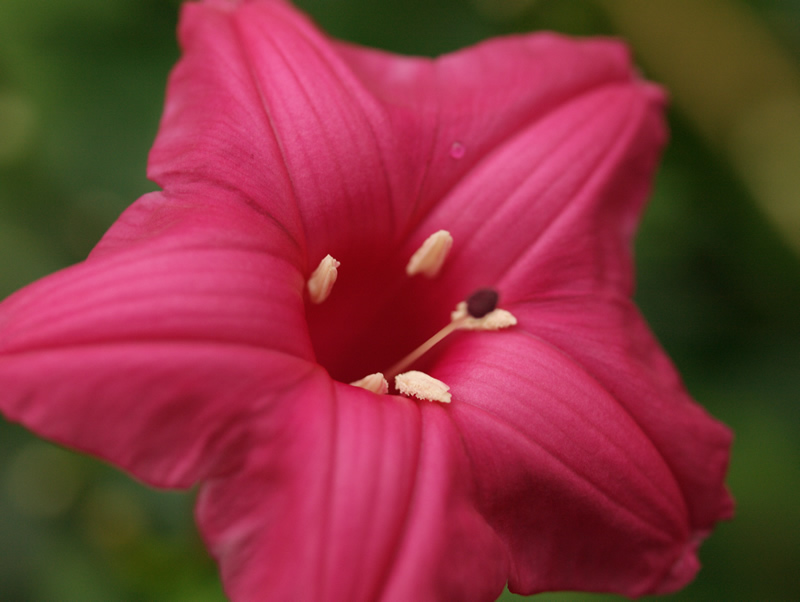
(373,382)
(429,258)
(322,280)
(422,386)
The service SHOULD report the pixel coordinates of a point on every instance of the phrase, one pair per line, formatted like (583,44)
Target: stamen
(422,386)
(373,382)
(322,280)
(429,258)
(460,319)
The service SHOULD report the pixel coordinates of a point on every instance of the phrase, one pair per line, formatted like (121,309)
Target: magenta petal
(216,275)
(261,103)
(452,115)
(353,145)
(610,340)
(152,356)
(170,413)
(568,190)
(350,496)
(580,493)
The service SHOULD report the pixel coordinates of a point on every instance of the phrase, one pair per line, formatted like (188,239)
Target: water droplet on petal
(457,150)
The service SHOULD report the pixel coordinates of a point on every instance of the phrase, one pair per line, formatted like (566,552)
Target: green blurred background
(81,90)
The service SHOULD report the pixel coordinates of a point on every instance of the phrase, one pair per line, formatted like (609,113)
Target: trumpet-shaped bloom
(186,350)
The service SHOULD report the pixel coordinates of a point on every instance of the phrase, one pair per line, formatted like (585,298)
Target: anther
(322,280)
(373,382)
(422,386)
(429,258)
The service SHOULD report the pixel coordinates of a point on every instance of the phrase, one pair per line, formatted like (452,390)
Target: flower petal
(209,273)
(352,496)
(452,114)
(609,339)
(580,494)
(155,346)
(170,413)
(260,103)
(565,197)
(352,144)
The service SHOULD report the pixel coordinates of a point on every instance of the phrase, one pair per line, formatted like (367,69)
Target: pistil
(478,312)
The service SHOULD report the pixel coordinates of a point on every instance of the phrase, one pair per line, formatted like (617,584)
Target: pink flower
(186,348)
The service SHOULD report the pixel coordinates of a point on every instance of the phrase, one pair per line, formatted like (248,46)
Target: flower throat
(478,312)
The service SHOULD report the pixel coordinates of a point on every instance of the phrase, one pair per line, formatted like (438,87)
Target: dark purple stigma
(482,302)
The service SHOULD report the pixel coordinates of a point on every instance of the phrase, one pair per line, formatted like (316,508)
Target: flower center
(374,314)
